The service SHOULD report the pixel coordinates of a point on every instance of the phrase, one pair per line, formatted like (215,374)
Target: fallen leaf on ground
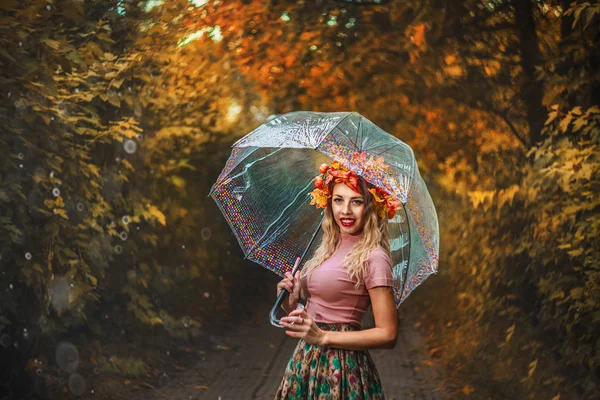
(201,387)
(127,382)
(429,363)
(468,389)
(220,347)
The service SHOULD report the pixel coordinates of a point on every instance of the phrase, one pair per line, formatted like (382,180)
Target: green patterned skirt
(329,373)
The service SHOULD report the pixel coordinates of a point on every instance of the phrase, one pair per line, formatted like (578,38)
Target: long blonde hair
(375,233)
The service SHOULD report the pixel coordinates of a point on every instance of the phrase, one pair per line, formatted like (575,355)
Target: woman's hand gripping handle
(288,293)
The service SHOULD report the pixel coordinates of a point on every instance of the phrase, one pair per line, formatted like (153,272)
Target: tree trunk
(531,90)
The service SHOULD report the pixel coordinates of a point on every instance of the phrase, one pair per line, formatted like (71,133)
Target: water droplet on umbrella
(130,146)
(67,357)
(183,246)
(140,136)
(38,372)
(48,7)
(206,294)
(80,207)
(77,384)
(125,219)
(10,286)
(21,156)
(123,235)
(51,174)
(205,233)
(187,321)
(118,249)
(96,371)
(28,256)
(56,192)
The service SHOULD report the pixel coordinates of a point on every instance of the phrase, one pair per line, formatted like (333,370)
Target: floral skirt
(329,373)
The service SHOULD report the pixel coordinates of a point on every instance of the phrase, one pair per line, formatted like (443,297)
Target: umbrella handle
(273,316)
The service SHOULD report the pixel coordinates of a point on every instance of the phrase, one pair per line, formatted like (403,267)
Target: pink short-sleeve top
(331,296)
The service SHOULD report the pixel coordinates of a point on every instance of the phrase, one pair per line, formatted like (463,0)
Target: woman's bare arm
(383,336)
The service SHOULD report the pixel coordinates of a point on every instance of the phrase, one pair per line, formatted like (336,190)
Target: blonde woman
(350,270)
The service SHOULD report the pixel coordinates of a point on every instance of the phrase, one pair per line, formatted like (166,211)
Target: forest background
(116,117)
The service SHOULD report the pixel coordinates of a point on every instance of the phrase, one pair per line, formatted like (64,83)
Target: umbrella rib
(219,182)
(247,166)
(279,217)
(361,135)
(335,126)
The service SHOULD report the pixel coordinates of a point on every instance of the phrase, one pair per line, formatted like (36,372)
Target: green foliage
(103,135)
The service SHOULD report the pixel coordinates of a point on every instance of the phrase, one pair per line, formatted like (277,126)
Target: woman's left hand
(300,325)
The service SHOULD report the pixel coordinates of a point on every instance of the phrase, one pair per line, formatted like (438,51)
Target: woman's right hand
(292,285)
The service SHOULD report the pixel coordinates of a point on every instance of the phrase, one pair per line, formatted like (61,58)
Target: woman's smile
(348,209)
(347,221)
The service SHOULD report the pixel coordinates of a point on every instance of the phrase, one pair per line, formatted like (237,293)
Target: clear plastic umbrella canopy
(263,191)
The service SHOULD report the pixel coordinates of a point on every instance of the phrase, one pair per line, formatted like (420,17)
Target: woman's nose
(346,209)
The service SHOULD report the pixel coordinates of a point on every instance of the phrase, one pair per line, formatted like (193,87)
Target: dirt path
(249,360)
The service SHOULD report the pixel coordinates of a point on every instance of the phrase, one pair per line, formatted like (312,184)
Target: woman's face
(348,209)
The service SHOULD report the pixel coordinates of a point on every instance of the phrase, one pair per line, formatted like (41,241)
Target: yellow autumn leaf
(92,279)
(61,212)
(156,321)
(509,332)
(576,293)
(178,181)
(156,213)
(532,367)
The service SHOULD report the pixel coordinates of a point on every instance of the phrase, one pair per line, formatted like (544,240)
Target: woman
(349,270)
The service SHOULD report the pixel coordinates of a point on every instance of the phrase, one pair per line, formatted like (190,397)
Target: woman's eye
(337,200)
(358,202)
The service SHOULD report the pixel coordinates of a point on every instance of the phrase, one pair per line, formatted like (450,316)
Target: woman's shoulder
(378,251)
(379,255)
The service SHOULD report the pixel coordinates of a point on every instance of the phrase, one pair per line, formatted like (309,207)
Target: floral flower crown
(385,204)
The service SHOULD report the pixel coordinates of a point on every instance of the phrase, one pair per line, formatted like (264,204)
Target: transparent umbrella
(263,192)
